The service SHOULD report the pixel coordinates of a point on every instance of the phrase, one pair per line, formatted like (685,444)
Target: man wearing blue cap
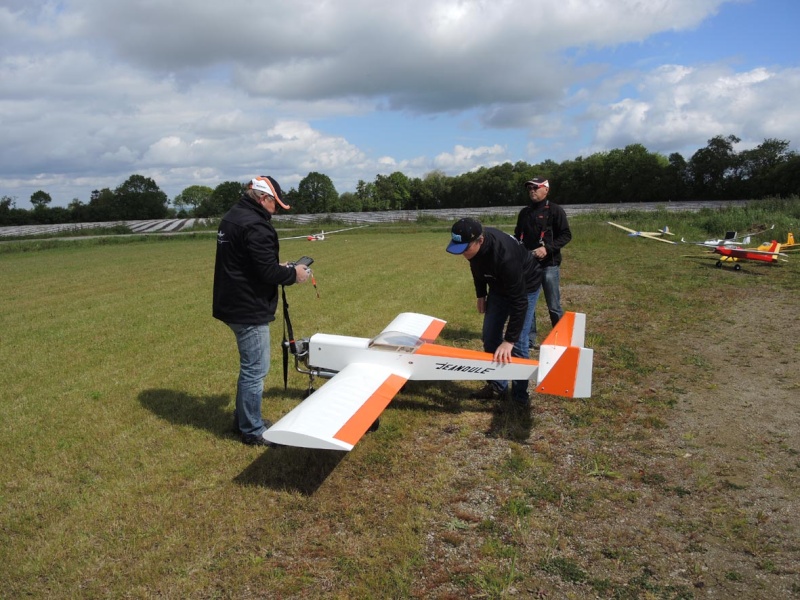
(507,280)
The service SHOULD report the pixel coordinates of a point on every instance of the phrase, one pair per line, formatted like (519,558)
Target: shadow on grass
(287,468)
(211,413)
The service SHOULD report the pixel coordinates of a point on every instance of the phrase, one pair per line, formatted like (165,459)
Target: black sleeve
(561,232)
(262,243)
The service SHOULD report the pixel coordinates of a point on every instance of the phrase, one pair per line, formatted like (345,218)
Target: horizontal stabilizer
(415,325)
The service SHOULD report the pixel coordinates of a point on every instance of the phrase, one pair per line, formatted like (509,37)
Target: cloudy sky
(189,92)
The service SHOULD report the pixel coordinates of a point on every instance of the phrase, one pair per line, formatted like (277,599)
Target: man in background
(542,227)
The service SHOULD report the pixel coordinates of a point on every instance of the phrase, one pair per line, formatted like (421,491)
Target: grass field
(120,477)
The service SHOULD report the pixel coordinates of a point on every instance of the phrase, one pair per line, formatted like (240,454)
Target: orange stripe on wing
(561,335)
(365,416)
(433,330)
(562,377)
(450,352)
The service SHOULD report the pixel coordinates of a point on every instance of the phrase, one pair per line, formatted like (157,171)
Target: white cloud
(676,104)
(198,93)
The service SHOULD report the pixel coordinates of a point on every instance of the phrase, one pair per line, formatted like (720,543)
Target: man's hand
(302,273)
(481,305)
(540,252)
(503,352)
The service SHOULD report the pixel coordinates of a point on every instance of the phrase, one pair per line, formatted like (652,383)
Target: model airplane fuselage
(367,373)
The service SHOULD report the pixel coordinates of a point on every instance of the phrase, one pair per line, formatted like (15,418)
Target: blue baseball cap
(463,233)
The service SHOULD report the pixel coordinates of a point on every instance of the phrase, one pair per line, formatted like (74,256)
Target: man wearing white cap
(543,229)
(247,273)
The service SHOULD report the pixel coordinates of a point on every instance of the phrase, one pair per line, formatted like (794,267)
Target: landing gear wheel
(737,267)
(375,425)
(719,264)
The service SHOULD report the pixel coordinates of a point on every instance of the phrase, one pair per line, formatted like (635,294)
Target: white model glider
(366,374)
(650,235)
(319,237)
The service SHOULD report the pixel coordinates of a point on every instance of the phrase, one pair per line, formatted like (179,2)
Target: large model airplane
(366,374)
(318,237)
(650,235)
(731,239)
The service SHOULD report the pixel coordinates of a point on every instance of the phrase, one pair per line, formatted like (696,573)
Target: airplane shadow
(744,271)
(459,334)
(287,468)
(284,468)
(211,413)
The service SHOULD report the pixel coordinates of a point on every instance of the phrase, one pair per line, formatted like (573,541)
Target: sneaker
(259,440)
(521,404)
(486,393)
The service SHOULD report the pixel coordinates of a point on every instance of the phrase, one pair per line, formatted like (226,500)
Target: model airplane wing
(338,414)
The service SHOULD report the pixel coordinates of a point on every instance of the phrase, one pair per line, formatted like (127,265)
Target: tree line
(631,174)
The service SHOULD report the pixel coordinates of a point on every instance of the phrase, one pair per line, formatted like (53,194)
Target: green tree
(392,192)
(224,196)
(757,167)
(192,197)
(140,198)
(317,194)
(350,202)
(712,167)
(102,206)
(40,199)
(365,192)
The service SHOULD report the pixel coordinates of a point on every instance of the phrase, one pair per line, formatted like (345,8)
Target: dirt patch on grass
(684,487)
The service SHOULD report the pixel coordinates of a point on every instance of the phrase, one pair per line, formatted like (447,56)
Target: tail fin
(789,239)
(565,366)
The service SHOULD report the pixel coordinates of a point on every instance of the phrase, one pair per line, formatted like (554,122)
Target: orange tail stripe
(450,352)
(561,334)
(562,377)
(357,425)
(433,330)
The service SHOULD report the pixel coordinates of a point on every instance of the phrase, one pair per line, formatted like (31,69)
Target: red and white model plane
(367,373)
(734,254)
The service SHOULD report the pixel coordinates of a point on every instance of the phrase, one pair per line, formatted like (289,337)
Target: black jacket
(246,272)
(506,268)
(547,217)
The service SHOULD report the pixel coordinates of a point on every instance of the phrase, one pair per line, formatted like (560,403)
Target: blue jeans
(253,344)
(551,286)
(498,310)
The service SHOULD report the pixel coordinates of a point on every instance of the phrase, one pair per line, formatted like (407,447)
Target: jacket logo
(220,236)
(463,368)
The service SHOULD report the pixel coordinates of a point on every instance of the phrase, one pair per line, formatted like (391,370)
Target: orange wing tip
(357,425)
(433,330)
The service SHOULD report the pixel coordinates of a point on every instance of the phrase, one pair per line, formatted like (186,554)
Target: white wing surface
(338,414)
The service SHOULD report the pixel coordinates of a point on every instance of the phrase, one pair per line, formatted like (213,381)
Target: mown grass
(120,477)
